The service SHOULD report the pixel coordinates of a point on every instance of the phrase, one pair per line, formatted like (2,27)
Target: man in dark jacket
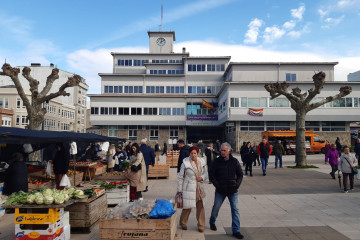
(149,157)
(61,163)
(16,176)
(184,152)
(278,151)
(226,175)
(128,149)
(264,150)
(211,155)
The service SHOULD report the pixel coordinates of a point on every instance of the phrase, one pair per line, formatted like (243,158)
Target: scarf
(197,169)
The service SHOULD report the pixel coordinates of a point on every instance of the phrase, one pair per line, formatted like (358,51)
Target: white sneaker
(140,199)
(345,191)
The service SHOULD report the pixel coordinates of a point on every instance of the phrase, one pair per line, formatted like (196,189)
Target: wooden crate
(139,229)
(118,195)
(108,176)
(85,214)
(78,179)
(50,184)
(159,171)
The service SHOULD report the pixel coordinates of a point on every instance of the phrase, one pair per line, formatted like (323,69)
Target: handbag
(354,170)
(179,200)
(135,168)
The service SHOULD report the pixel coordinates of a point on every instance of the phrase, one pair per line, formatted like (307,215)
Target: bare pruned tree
(35,110)
(301,103)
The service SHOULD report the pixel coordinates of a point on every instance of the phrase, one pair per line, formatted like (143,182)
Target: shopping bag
(65,182)
(49,169)
(179,200)
(116,160)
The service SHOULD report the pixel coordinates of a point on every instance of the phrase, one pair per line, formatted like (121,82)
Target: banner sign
(202,117)
(256,112)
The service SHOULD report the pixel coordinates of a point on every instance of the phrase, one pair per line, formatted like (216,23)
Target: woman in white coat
(190,182)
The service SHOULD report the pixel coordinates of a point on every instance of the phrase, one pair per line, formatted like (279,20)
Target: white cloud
(289,25)
(333,21)
(298,13)
(89,63)
(272,33)
(253,32)
(323,13)
(347,3)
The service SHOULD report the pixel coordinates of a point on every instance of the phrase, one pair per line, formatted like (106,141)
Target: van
(313,142)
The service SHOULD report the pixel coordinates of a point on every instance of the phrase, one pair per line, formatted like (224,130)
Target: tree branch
(319,80)
(344,91)
(277,89)
(49,81)
(13,74)
(34,84)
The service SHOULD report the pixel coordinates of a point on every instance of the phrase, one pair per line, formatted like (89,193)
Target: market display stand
(159,171)
(89,170)
(74,181)
(172,158)
(110,176)
(118,195)
(139,229)
(84,214)
(41,221)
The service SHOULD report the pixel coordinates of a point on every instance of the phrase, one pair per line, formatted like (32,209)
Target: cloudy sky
(78,36)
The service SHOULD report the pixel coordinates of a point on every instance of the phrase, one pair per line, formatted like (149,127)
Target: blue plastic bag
(162,209)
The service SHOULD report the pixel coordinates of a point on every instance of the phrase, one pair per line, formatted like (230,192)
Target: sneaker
(345,191)
(238,235)
(351,189)
(140,199)
(213,227)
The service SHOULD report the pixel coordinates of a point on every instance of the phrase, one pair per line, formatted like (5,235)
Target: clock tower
(161,41)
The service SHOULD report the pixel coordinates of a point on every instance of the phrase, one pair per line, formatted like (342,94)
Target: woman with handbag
(138,168)
(346,165)
(190,182)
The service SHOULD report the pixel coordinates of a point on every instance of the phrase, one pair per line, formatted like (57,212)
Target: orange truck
(313,142)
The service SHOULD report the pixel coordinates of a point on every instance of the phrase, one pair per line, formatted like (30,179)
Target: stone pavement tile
(287,237)
(352,234)
(302,229)
(310,236)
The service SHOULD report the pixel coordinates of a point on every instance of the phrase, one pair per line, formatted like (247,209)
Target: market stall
(116,191)
(172,158)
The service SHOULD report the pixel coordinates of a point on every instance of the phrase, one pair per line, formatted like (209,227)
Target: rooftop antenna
(161,25)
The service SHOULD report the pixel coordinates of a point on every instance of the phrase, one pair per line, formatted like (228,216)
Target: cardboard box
(37,215)
(37,231)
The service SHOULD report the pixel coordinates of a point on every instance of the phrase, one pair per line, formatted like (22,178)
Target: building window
(18,103)
(252,126)
(279,102)
(356,102)
(312,125)
(112,111)
(135,111)
(150,111)
(24,120)
(178,111)
(6,121)
(164,111)
(123,111)
(253,102)
(333,126)
(132,133)
(234,102)
(154,133)
(174,132)
(290,77)
(277,126)
(126,62)
(17,120)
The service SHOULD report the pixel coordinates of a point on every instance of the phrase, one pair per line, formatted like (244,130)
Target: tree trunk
(300,157)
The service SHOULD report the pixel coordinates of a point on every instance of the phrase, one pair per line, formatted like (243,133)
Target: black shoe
(264,174)
(146,189)
(213,227)
(250,174)
(238,235)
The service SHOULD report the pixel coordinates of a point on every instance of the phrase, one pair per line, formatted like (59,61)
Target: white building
(354,77)
(159,95)
(64,113)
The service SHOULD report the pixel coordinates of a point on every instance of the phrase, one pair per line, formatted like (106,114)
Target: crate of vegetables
(35,183)
(116,191)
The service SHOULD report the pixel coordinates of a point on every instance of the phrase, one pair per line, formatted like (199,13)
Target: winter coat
(327,148)
(332,157)
(345,161)
(357,149)
(16,178)
(186,182)
(61,161)
(184,153)
(264,151)
(278,148)
(249,155)
(148,154)
(226,175)
(111,154)
(141,174)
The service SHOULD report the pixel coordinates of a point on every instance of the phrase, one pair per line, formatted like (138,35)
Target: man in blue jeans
(226,175)
(278,151)
(264,150)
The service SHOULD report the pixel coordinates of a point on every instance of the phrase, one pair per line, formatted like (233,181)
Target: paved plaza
(285,204)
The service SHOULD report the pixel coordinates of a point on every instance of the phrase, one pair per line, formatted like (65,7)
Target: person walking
(128,149)
(338,145)
(256,154)
(184,152)
(249,157)
(110,157)
(211,154)
(346,163)
(137,167)
(190,182)
(278,151)
(201,147)
(149,157)
(157,152)
(264,150)
(242,151)
(357,151)
(332,157)
(226,175)
(16,175)
(164,149)
(60,163)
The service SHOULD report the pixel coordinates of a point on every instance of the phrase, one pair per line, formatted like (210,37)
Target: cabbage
(79,192)
(39,199)
(66,196)
(38,194)
(71,191)
(48,192)
(59,199)
(49,200)
(31,198)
